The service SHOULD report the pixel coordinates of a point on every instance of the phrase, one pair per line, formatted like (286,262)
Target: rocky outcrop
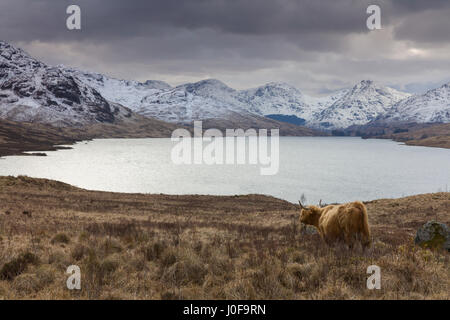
(433,235)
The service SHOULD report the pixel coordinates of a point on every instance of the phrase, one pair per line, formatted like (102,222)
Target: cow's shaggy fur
(346,222)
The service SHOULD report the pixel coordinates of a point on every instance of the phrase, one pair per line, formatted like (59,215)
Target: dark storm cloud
(306,42)
(300,21)
(409,6)
(118,18)
(427,27)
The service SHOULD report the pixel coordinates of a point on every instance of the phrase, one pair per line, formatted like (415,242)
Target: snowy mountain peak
(369,87)
(12,57)
(157,84)
(433,106)
(276,98)
(364,84)
(10,52)
(206,87)
(33,91)
(366,101)
(280,85)
(274,88)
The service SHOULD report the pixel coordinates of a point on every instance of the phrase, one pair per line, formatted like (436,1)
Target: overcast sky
(317,45)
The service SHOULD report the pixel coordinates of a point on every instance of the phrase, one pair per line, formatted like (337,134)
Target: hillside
(135,246)
(437,135)
(17,137)
(418,134)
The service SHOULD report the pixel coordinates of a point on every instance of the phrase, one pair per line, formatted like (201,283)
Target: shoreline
(43,147)
(21,176)
(16,138)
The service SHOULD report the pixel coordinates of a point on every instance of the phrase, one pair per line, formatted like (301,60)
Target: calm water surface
(334,169)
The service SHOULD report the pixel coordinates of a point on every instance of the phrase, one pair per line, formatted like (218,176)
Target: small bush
(61,238)
(169,295)
(97,272)
(108,266)
(154,251)
(188,268)
(83,236)
(299,257)
(239,289)
(18,265)
(111,246)
(266,280)
(78,252)
(300,271)
(137,263)
(185,272)
(59,259)
(46,275)
(26,283)
(220,266)
(169,257)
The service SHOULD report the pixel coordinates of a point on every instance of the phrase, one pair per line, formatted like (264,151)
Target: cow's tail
(365,230)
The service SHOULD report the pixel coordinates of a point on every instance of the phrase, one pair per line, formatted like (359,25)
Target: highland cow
(345,222)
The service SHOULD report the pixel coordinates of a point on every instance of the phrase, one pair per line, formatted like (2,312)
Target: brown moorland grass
(135,246)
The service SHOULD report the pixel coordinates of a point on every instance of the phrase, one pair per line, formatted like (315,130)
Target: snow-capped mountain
(276,99)
(32,91)
(363,103)
(207,99)
(359,105)
(125,92)
(433,106)
(321,103)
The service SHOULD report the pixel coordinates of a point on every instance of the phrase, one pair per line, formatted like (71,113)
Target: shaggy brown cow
(347,222)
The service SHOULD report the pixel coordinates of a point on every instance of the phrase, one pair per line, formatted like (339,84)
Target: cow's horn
(320,203)
(300,203)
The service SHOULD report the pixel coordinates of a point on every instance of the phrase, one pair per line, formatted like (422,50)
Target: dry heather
(132,246)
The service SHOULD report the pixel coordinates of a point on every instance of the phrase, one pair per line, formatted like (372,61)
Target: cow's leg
(323,236)
(325,239)
(365,241)
(348,240)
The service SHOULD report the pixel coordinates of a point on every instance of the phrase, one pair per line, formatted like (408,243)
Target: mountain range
(62,96)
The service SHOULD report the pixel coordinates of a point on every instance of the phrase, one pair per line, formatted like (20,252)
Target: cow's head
(309,215)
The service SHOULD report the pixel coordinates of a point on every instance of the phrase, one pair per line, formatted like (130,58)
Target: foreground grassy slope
(184,247)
